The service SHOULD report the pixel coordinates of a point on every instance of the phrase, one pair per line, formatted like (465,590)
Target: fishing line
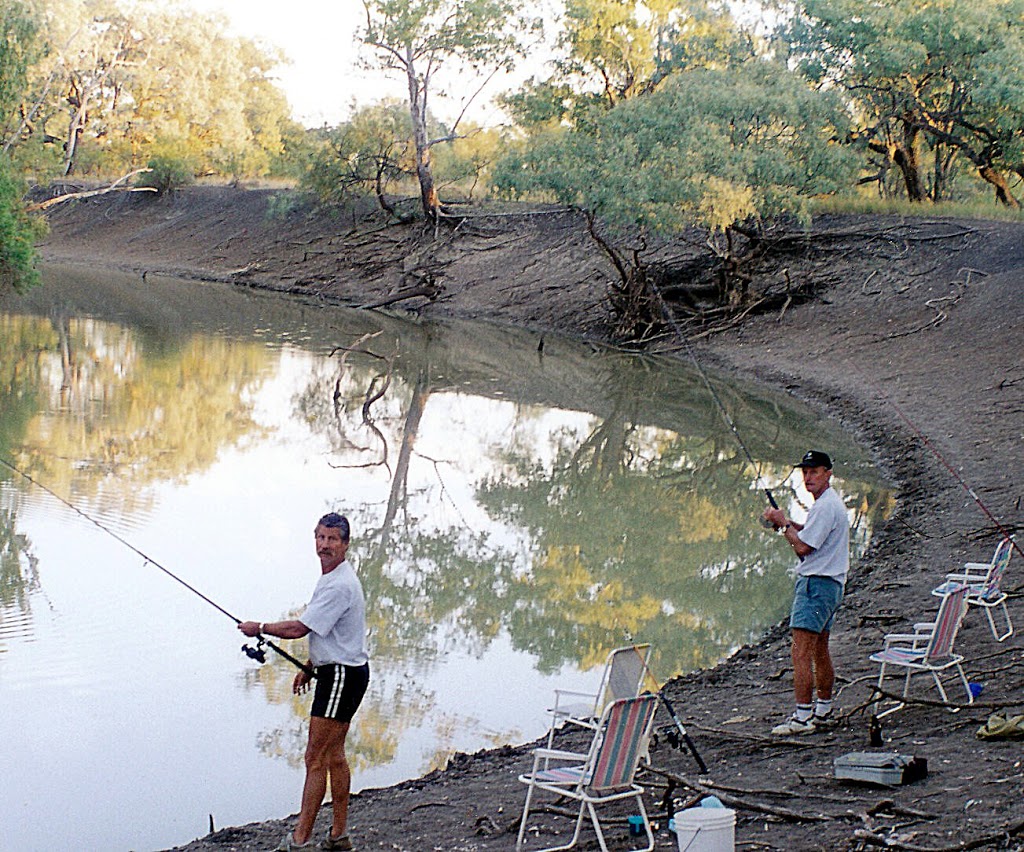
(253,653)
(956,475)
(714,395)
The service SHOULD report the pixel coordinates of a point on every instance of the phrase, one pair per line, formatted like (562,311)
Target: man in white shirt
(822,544)
(335,621)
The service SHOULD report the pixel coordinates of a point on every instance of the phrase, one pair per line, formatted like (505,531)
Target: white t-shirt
(336,617)
(827,530)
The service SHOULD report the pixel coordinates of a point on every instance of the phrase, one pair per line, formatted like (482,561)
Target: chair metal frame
(604,774)
(623,677)
(928,649)
(983,580)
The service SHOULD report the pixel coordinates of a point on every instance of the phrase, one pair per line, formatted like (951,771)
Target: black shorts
(339,690)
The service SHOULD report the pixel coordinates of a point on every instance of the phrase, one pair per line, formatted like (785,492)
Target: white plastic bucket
(706,830)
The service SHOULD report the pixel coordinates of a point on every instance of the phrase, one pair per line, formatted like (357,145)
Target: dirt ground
(912,343)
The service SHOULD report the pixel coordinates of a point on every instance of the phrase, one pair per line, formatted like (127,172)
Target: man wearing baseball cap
(822,543)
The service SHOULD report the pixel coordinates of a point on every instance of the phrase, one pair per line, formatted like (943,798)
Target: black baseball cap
(815,458)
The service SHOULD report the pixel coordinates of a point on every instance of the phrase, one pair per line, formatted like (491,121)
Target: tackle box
(887,768)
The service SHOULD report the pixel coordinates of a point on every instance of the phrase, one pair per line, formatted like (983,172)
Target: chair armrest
(574,693)
(903,638)
(579,708)
(558,754)
(977,566)
(974,572)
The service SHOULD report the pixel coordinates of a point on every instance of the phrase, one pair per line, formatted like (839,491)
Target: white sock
(823,708)
(804,712)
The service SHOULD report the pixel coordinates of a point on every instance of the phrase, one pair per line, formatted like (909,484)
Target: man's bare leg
(326,737)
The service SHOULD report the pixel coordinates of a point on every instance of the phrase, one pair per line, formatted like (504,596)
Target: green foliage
(167,173)
(121,78)
(620,49)
(19,48)
(939,78)
(17,235)
(467,162)
(364,155)
(418,37)
(709,147)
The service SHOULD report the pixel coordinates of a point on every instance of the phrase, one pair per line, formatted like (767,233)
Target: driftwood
(41,206)
(870,838)
(737,802)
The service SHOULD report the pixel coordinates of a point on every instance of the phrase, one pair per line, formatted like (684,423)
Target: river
(517,510)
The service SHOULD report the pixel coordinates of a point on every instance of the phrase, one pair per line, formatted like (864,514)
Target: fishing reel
(257,653)
(671,736)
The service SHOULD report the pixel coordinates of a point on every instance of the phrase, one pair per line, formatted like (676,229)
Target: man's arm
(291,629)
(789,529)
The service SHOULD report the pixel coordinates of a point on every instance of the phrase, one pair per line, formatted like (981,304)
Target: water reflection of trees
(19,568)
(97,410)
(621,530)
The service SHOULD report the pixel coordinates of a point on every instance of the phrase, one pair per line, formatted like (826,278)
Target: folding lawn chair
(623,677)
(983,581)
(603,775)
(928,649)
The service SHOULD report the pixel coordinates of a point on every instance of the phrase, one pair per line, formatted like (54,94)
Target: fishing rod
(956,475)
(670,317)
(254,653)
(672,714)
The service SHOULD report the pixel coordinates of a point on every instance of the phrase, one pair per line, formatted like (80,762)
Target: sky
(324,79)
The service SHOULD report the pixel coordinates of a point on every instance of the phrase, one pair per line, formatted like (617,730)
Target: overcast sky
(324,79)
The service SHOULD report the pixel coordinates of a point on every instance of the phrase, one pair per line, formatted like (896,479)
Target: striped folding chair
(928,649)
(983,581)
(604,775)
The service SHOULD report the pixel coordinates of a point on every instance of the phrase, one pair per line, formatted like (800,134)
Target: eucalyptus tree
(204,95)
(130,79)
(726,150)
(473,39)
(17,48)
(365,154)
(926,76)
(613,50)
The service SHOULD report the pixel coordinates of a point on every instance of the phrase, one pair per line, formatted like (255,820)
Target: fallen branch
(114,187)
(990,840)
(737,802)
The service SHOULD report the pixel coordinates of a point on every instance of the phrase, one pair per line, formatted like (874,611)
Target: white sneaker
(288,843)
(793,726)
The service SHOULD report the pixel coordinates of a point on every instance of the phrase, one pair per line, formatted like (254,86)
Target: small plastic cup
(976,689)
(636,825)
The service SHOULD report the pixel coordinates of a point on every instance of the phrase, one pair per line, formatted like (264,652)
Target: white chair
(983,581)
(929,649)
(623,677)
(604,774)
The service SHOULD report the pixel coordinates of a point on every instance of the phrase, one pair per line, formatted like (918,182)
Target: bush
(167,174)
(17,235)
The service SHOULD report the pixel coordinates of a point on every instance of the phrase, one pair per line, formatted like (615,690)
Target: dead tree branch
(70,196)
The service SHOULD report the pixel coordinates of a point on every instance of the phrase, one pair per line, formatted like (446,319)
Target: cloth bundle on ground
(999,727)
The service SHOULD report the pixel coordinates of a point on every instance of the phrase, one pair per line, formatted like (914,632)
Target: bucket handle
(689,843)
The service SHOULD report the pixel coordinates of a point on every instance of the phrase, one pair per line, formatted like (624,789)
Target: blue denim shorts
(815,603)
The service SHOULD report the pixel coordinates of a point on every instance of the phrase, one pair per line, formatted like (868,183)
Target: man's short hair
(335,521)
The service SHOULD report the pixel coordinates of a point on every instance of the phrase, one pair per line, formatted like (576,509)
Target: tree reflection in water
(577,499)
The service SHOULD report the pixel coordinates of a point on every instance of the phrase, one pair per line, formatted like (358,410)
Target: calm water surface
(515,514)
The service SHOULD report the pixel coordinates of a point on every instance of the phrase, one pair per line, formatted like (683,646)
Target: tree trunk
(75,128)
(418,112)
(906,159)
(998,180)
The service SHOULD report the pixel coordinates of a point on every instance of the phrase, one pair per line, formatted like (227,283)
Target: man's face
(330,546)
(816,479)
